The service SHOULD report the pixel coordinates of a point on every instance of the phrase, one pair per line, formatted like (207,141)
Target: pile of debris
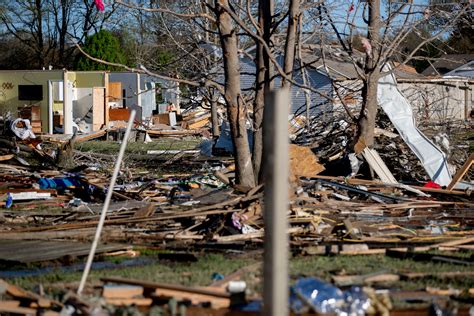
(51,209)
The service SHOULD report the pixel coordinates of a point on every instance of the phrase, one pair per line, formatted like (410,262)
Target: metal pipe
(108,197)
(276,170)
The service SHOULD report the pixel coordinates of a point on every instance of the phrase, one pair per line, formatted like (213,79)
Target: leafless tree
(46,26)
(384,36)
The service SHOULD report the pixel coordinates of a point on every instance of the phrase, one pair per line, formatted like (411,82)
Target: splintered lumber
(137,301)
(77,233)
(217,297)
(28,251)
(254,235)
(156,285)
(197,121)
(378,165)
(345,249)
(355,181)
(93,135)
(196,299)
(377,277)
(172,133)
(461,172)
(121,291)
(6,157)
(452,243)
(23,295)
(7,308)
(173,152)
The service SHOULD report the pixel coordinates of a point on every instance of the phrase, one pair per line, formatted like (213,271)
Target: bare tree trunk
(236,109)
(65,7)
(366,122)
(263,83)
(290,43)
(39,33)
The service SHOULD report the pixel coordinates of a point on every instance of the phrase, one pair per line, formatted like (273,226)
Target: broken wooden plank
(378,165)
(254,235)
(127,301)
(355,181)
(6,157)
(208,292)
(172,133)
(461,172)
(195,298)
(121,291)
(173,152)
(93,135)
(366,279)
(21,294)
(457,242)
(29,251)
(7,308)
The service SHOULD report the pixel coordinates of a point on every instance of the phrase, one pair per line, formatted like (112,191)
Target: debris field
(381,205)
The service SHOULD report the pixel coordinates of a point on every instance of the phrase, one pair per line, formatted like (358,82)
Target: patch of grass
(200,273)
(324,267)
(139,148)
(188,274)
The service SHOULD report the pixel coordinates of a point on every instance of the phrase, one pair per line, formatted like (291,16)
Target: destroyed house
(143,93)
(447,63)
(432,98)
(300,98)
(464,71)
(52,106)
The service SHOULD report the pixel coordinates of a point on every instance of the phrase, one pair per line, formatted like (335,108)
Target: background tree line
(41,33)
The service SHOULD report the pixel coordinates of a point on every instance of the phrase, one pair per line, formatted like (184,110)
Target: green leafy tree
(102,45)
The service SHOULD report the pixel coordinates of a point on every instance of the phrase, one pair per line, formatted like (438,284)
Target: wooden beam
(461,172)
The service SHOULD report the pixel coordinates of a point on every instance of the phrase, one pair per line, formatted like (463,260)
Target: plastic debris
(9,201)
(22,129)
(324,297)
(99,5)
(217,276)
(236,286)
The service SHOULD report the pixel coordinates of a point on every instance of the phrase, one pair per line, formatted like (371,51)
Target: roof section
(338,65)
(466,70)
(447,63)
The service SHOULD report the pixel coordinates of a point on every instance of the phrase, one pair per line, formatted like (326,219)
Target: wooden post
(276,170)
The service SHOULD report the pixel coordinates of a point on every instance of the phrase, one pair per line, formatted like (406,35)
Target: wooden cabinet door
(98,108)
